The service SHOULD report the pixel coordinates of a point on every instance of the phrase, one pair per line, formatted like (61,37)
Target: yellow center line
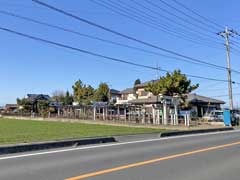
(151,161)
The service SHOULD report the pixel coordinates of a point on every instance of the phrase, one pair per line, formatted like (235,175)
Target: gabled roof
(145,84)
(100,104)
(127,91)
(150,100)
(194,98)
(114,91)
(11,106)
(34,97)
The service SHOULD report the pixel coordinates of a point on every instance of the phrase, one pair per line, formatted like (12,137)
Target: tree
(62,97)
(102,93)
(82,93)
(136,82)
(68,99)
(58,96)
(77,88)
(43,107)
(172,84)
(24,104)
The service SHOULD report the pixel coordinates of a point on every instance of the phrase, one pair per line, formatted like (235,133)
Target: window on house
(143,93)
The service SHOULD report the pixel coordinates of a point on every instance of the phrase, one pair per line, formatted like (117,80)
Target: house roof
(11,106)
(127,91)
(191,98)
(34,97)
(194,98)
(100,104)
(114,91)
(145,84)
(150,100)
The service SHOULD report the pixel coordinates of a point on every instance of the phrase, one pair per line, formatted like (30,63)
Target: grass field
(24,131)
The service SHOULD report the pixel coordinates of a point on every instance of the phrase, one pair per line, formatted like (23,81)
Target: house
(35,98)
(1,109)
(114,95)
(144,106)
(126,95)
(199,104)
(202,104)
(10,108)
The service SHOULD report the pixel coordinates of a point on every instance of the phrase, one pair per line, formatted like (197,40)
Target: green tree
(68,99)
(136,82)
(102,93)
(174,83)
(62,97)
(24,105)
(82,93)
(58,96)
(43,107)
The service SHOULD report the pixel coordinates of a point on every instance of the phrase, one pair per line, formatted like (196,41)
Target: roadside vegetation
(14,131)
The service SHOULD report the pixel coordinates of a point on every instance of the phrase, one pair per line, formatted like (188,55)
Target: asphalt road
(213,157)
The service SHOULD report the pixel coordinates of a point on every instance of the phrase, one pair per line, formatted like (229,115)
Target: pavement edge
(197,131)
(9,149)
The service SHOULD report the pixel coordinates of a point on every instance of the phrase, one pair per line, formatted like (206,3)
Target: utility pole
(226,33)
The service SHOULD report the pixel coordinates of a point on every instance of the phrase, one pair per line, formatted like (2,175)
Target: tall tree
(77,91)
(68,99)
(102,93)
(174,83)
(82,93)
(136,82)
(58,96)
(25,104)
(43,107)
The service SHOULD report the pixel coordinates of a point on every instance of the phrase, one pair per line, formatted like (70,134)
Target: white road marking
(113,144)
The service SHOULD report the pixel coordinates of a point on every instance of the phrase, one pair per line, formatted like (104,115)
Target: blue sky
(28,66)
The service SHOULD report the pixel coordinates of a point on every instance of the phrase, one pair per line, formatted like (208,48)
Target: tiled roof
(194,98)
(114,91)
(34,97)
(150,100)
(145,84)
(11,105)
(127,91)
(191,98)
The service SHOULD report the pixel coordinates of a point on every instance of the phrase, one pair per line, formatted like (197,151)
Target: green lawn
(25,131)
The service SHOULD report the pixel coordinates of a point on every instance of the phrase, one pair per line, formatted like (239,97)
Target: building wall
(125,98)
(142,94)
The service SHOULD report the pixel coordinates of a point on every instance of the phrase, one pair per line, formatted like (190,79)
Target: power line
(197,14)
(130,12)
(145,19)
(100,39)
(225,95)
(184,20)
(164,17)
(101,55)
(125,36)
(189,16)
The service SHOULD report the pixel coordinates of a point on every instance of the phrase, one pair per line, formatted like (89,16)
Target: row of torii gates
(162,112)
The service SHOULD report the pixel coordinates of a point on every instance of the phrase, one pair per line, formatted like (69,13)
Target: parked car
(215,115)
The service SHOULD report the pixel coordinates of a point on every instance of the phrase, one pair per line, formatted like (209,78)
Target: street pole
(226,34)
(229,69)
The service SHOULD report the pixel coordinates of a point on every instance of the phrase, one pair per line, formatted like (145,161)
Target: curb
(198,131)
(9,149)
